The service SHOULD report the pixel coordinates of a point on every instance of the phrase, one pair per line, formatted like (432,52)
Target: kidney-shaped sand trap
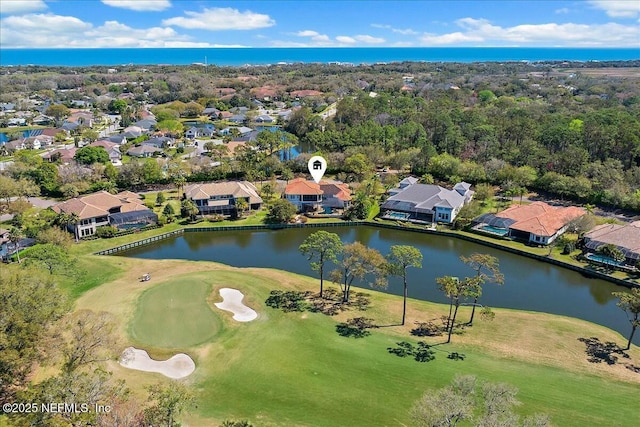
(232,301)
(176,367)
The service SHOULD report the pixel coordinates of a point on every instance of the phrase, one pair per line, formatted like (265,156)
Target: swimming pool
(397,215)
(494,230)
(604,259)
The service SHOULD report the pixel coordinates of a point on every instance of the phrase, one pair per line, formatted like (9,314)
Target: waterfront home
(308,196)
(123,210)
(410,180)
(305,195)
(221,197)
(426,203)
(625,237)
(538,223)
(241,130)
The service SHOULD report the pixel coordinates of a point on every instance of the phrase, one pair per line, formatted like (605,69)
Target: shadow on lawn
(599,352)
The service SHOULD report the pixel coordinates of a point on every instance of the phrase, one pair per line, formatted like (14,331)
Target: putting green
(175,314)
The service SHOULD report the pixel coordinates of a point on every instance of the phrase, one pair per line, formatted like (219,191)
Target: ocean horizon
(265,56)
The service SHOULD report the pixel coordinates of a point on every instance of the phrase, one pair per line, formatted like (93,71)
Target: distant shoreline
(243,56)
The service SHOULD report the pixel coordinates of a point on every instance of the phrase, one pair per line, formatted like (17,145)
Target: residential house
(7,248)
(241,130)
(426,203)
(264,118)
(38,142)
(132,132)
(42,120)
(123,210)
(626,237)
(118,139)
(221,197)
(112,149)
(159,142)
(81,118)
(65,156)
(237,118)
(146,124)
(537,223)
(200,131)
(309,196)
(211,112)
(7,107)
(69,126)
(335,195)
(410,180)
(143,151)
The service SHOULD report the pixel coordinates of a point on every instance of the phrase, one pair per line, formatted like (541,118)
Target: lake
(529,284)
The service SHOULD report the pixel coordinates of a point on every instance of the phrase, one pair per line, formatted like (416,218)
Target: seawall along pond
(530,284)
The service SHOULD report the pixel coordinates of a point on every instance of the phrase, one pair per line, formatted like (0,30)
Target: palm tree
(15,235)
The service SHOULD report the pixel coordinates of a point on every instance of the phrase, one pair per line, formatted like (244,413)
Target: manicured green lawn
(175,314)
(294,369)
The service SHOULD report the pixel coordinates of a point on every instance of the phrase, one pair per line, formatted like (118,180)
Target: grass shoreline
(539,254)
(304,364)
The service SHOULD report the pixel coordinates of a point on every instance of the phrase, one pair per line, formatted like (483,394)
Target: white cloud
(56,31)
(346,39)
(307,33)
(21,6)
(316,38)
(480,32)
(139,5)
(221,19)
(562,11)
(369,39)
(403,31)
(618,8)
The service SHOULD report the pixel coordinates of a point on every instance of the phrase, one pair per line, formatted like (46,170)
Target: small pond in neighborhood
(529,284)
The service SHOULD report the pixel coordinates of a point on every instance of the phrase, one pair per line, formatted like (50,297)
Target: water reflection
(529,284)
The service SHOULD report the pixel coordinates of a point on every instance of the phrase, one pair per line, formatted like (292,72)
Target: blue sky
(301,23)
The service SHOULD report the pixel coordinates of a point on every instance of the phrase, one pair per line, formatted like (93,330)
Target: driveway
(35,201)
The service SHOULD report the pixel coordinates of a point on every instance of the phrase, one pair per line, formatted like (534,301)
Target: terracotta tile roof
(234,145)
(305,93)
(104,144)
(540,218)
(98,204)
(237,189)
(302,187)
(338,190)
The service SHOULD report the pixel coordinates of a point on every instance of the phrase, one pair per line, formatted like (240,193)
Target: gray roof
(423,198)
(410,180)
(142,149)
(625,237)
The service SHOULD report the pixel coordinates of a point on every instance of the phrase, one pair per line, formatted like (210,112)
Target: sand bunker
(232,301)
(176,367)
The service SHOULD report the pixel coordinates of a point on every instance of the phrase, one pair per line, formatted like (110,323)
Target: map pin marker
(317,167)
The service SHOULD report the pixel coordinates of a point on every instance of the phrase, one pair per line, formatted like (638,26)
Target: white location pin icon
(317,167)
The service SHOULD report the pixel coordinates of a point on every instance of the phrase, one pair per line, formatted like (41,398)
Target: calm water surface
(529,284)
